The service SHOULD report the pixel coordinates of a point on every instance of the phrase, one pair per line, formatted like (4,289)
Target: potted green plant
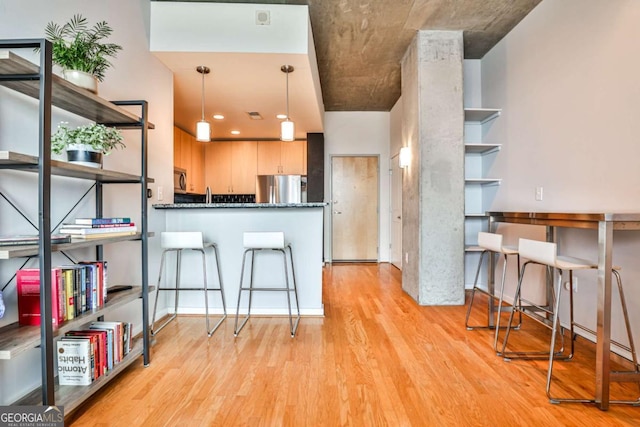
(85,145)
(80,50)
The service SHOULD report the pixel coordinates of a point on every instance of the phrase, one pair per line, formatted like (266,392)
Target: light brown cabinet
(230,167)
(197,166)
(188,154)
(282,158)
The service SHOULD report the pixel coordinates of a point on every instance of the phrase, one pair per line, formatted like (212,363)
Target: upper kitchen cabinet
(282,158)
(231,167)
(188,154)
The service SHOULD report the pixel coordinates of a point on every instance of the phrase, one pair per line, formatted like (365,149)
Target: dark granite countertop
(238,205)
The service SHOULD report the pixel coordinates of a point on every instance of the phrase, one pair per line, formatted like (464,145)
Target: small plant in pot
(80,50)
(85,145)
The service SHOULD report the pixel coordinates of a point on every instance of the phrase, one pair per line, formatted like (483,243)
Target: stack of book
(87,228)
(75,289)
(86,355)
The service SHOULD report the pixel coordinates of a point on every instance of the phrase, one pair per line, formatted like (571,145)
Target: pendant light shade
(287,127)
(203,128)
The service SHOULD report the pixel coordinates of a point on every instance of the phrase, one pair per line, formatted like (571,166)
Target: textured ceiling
(359,43)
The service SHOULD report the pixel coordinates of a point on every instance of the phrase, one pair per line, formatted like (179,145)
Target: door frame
(330,249)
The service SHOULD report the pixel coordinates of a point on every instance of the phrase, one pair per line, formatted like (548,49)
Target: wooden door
(354,208)
(292,157)
(268,162)
(217,168)
(244,162)
(395,252)
(197,163)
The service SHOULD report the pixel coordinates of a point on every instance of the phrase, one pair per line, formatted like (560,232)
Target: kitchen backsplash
(215,198)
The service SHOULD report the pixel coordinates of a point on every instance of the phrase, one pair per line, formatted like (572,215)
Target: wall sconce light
(404,157)
(287,127)
(203,128)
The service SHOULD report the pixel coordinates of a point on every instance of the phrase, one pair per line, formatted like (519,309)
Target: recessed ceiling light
(218,116)
(235,132)
(281,116)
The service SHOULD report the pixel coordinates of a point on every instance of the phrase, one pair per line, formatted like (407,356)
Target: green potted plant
(81,50)
(86,144)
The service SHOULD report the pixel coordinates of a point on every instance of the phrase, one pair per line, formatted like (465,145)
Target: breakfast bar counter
(224,224)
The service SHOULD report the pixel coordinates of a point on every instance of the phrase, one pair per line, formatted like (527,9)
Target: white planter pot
(81,79)
(81,154)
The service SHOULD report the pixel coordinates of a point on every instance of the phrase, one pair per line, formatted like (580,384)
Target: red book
(28,287)
(101,351)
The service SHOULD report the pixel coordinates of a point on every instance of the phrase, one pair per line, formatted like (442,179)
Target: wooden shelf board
(65,95)
(482,148)
(481,115)
(16,339)
(8,252)
(73,396)
(483,181)
(30,164)
(476,215)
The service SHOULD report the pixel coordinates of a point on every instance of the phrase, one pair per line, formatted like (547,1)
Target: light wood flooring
(375,359)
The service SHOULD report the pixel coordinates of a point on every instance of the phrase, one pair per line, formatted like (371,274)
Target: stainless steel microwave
(179,180)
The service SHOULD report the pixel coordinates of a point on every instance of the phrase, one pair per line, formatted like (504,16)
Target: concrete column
(433,184)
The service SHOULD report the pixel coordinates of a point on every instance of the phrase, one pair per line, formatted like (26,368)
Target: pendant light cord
(203,96)
(287,95)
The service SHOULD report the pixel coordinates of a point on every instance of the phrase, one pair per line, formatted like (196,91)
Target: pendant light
(287,128)
(203,128)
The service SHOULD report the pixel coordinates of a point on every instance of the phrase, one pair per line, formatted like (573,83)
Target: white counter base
(303,228)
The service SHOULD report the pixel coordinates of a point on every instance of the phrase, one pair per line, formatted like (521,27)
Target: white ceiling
(249,80)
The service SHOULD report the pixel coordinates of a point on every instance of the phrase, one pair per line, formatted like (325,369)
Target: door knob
(337,212)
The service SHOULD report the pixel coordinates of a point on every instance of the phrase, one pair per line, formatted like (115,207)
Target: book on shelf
(98,221)
(30,239)
(79,226)
(75,361)
(103,235)
(98,231)
(28,290)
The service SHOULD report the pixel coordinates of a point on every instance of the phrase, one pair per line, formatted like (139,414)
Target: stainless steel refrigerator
(281,188)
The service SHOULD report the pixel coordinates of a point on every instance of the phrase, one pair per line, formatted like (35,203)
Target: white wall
(567,80)
(136,75)
(359,133)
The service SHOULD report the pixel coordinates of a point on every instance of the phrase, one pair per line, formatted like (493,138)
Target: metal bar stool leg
(473,292)
(159,288)
(219,288)
(236,329)
(295,291)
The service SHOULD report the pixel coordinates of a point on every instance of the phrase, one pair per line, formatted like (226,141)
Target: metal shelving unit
(50,90)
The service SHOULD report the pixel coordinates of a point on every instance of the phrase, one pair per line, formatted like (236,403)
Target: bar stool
(545,253)
(267,241)
(178,241)
(491,242)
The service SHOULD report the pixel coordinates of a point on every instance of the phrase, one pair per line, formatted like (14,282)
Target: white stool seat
(179,241)
(182,240)
(263,240)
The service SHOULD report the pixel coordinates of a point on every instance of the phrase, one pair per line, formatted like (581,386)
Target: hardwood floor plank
(375,359)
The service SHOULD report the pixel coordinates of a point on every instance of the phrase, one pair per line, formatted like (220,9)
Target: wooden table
(605,223)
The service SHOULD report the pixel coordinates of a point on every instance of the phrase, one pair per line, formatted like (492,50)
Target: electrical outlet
(159,193)
(539,194)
